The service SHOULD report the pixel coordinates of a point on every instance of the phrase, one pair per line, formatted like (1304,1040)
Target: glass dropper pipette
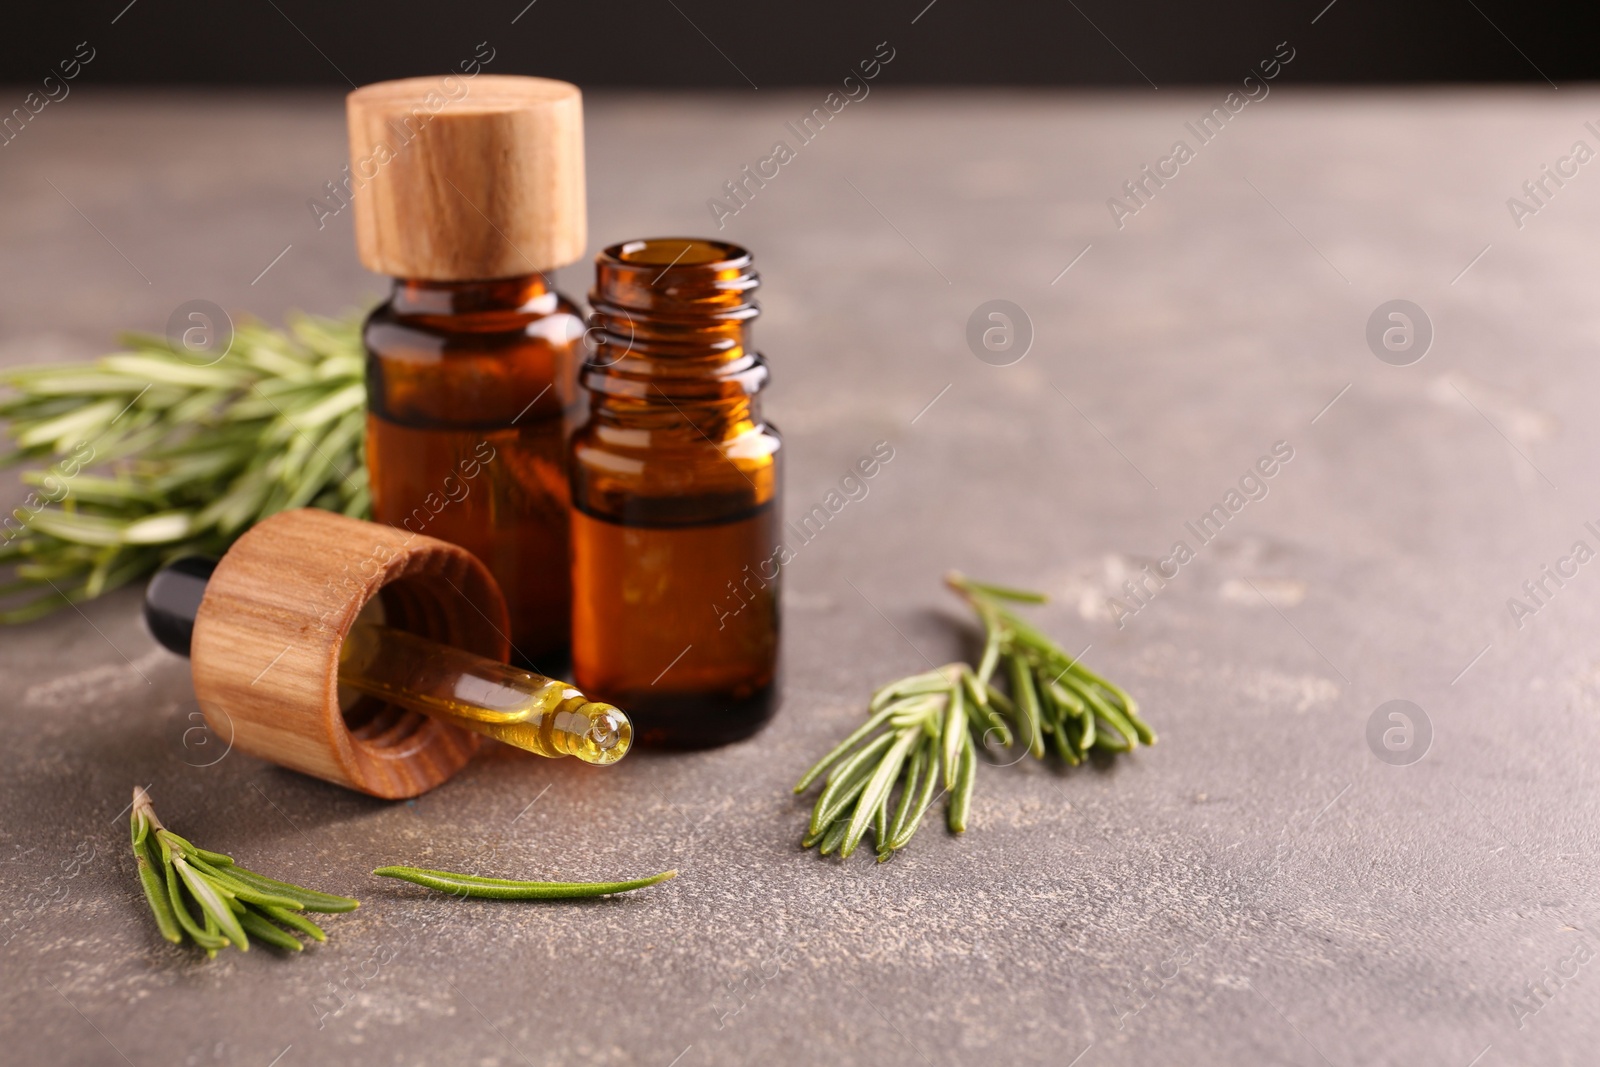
(545,716)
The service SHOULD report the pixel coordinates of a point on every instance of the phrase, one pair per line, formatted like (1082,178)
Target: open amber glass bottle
(675,498)
(466,190)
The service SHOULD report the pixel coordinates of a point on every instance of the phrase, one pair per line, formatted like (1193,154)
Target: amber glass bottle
(675,498)
(466,190)
(468,387)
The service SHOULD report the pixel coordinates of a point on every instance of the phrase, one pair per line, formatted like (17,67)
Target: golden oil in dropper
(542,715)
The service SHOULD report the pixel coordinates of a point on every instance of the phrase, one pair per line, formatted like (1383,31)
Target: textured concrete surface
(1260,887)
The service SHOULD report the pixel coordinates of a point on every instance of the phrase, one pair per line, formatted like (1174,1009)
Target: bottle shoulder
(480,368)
(755,442)
(389,332)
(629,474)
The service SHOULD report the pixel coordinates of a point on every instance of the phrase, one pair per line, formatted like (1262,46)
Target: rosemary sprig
(145,455)
(1057,699)
(919,733)
(922,733)
(181,879)
(471,885)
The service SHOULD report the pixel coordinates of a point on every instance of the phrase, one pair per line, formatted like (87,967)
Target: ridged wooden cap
(463,179)
(265,651)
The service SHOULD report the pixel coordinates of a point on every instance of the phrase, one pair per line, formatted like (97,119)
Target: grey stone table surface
(1265,885)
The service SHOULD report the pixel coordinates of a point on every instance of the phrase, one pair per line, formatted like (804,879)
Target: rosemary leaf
(467,885)
(202,937)
(833,806)
(310,898)
(811,839)
(1002,592)
(1027,701)
(925,799)
(294,919)
(930,682)
(209,896)
(216,859)
(835,835)
(920,762)
(1087,737)
(955,734)
(1111,740)
(877,789)
(961,793)
(847,782)
(155,894)
(243,891)
(255,924)
(843,747)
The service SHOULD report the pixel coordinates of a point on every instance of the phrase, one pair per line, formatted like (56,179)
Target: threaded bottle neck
(675,283)
(671,324)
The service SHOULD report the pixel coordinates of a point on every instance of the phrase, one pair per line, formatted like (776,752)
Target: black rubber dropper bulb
(172,600)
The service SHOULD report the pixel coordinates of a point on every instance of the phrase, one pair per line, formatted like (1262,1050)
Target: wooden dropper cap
(265,648)
(467,179)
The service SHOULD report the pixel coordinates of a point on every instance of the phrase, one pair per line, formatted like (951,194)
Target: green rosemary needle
(471,885)
(922,733)
(179,879)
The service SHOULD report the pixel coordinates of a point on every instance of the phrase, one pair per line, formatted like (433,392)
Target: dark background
(704,44)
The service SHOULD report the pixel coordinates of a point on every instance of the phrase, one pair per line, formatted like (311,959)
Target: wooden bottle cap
(265,650)
(464,179)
